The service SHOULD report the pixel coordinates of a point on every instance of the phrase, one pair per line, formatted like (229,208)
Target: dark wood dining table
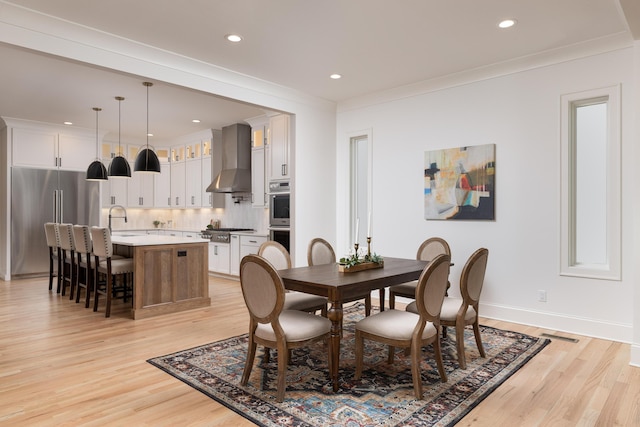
(326,280)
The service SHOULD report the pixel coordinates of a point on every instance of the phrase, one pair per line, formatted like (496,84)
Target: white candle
(355,240)
(369,226)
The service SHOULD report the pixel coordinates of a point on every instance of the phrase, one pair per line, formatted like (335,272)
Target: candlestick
(368,248)
(356,246)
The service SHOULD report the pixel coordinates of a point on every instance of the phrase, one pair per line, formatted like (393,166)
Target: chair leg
(89,283)
(248,364)
(74,279)
(391,354)
(437,351)
(109,289)
(50,268)
(367,305)
(416,352)
(460,346)
(359,341)
(283,361)
(382,291)
(392,300)
(476,332)
(60,271)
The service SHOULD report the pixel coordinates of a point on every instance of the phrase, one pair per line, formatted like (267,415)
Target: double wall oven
(279,212)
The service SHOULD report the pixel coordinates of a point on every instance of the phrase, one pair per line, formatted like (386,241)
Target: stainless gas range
(221,235)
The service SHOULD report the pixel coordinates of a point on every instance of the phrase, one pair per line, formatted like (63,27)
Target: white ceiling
(375,44)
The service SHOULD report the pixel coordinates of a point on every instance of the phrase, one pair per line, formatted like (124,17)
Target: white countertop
(152,239)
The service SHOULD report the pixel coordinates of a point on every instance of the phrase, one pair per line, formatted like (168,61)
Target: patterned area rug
(382,397)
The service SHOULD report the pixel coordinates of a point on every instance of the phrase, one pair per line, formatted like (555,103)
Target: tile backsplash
(240,215)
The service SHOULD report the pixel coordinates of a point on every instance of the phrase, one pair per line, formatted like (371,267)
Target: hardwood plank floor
(64,365)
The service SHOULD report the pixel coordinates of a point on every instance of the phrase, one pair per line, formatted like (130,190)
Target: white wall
(520,113)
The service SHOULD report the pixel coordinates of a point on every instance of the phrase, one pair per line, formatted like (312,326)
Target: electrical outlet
(542,295)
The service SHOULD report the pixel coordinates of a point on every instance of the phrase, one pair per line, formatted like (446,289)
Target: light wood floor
(64,365)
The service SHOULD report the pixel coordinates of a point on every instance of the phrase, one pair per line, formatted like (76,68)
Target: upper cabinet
(43,146)
(259,175)
(279,141)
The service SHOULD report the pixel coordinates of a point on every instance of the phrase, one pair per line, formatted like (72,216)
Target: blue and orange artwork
(459,183)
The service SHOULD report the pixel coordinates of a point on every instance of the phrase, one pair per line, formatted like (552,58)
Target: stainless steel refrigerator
(39,196)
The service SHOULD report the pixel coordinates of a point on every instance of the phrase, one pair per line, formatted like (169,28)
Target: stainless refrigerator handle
(61,206)
(55,206)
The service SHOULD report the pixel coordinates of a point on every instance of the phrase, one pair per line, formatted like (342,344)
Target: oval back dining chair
(427,251)
(321,252)
(106,264)
(270,324)
(84,248)
(460,312)
(68,248)
(278,256)
(405,329)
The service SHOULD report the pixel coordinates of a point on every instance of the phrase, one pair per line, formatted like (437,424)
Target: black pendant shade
(147,161)
(97,171)
(119,167)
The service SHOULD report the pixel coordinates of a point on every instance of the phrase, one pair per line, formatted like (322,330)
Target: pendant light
(119,167)
(147,160)
(96,170)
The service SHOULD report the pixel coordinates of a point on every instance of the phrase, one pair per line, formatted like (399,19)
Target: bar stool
(68,247)
(82,237)
(54,254)
(109,266)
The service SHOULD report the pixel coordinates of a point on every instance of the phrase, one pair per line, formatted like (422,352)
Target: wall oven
(279,210)
(281,236)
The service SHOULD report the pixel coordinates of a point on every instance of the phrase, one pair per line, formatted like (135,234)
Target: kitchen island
(170,273)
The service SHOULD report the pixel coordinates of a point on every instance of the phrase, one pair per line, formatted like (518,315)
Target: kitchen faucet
(125,215)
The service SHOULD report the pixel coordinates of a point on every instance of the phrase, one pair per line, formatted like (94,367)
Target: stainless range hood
(236,161)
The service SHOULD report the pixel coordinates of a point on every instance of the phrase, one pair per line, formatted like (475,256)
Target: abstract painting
(459,183)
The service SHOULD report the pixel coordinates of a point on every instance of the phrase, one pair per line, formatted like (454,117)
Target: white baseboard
(560,322)
(635,355)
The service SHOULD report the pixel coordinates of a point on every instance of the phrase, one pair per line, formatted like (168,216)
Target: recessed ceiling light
(195,121)
(68,123)
(336,76)
(507,23)
(234,38)
(149,134)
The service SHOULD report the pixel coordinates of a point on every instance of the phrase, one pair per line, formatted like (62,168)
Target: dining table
(326,280)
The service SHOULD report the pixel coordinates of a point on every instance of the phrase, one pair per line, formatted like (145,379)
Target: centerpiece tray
(342,268)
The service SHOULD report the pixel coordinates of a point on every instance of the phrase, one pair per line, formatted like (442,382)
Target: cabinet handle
(282,170)
(215,250)
(113,200)
(169,201)
(193,200)
(177,200)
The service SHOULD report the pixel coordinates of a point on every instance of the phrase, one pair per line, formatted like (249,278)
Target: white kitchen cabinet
(250,244)
(162,187)
(114,192)
(219,257)
(279,145)
(140,190)
(259,187)
(193,183)
(241,246)
(234,260)
(41,147)
(178,177)
(207,198)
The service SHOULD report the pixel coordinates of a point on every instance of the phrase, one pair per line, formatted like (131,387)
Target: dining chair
(460,312)
(109,266)
(321,252)
(270,325)
(84,247)
(278,256)
(68,248)
(428,250)
(54,254)
(397,328)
